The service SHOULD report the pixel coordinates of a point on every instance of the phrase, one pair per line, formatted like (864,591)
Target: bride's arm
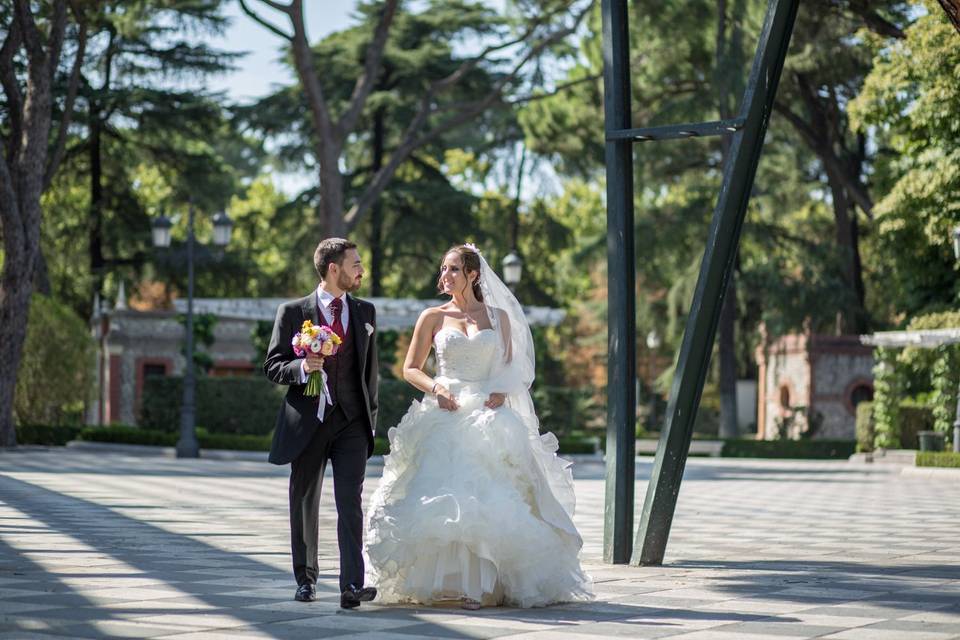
(427,325)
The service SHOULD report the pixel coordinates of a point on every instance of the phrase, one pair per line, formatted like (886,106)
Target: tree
(910,101)
(35,46)
(132,114)
(436,114)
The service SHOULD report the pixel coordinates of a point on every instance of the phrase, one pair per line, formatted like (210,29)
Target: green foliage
(387,353)
(260,336)
(129,435)
(203,338)
(45,434)
(914,418)
(234,405)
(812,449)
(56,374)
(121,434)
(564,410)
(910,101)
(947,459)
(864,427)
(395,397)
(886,400)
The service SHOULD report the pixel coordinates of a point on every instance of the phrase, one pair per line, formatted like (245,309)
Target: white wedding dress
(473,503)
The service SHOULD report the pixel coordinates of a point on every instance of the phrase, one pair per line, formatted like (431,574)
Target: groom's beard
(348,284)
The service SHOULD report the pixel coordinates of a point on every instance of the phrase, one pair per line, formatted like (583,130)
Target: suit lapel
(311,308)
(360,337)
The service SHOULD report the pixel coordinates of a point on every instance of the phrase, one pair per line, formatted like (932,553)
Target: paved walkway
(108,545)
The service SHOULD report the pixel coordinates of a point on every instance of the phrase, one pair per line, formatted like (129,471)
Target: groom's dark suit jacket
(353,382)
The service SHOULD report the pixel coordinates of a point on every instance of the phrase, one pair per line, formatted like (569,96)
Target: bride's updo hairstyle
(470,260)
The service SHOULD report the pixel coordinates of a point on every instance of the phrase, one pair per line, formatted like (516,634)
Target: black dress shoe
(305,593)
(353,595)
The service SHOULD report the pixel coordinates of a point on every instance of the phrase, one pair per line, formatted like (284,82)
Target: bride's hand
(446,400)
(495,400)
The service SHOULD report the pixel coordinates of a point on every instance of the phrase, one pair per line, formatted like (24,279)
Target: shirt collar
(325,297)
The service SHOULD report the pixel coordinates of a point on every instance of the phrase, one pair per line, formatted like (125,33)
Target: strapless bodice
(465,358)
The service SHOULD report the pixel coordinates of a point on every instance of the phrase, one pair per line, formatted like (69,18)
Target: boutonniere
(369,328)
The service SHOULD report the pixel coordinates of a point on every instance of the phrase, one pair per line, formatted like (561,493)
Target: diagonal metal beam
(715,270)
(667,132)
(622,329)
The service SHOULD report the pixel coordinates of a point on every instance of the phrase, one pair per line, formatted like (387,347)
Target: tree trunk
(330,210)
(95,229)
(41,275)
(729,67)
(847,234)
(376,212)
(21,185)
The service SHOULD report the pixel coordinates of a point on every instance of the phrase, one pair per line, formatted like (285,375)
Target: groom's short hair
(330,250)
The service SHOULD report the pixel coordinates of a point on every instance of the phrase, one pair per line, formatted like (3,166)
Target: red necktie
(336,307)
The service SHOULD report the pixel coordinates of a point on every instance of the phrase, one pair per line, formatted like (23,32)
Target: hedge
(938,459)
(811,449)
(562,410)
(134,435)
(46,434)
(911,418)
(394,398)
(234,405)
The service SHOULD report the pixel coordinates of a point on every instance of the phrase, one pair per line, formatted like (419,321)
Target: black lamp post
(187,445)
(653,343)
(956,422)
(512,269)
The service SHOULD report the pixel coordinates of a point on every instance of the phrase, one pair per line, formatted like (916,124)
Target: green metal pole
(622,332)
(715,270)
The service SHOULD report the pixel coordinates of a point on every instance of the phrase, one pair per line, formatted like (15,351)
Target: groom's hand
(312,363)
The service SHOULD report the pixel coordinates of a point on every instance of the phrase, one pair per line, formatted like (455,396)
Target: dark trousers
(344,443)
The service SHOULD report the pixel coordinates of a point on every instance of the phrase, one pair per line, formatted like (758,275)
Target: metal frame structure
(747,131)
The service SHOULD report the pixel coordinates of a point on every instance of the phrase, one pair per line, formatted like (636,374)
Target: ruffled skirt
(473,504)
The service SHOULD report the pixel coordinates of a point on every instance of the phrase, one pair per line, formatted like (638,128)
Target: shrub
(938,459)
(56,373)
(128,435)
(234,405)
(914,418)
(47,434)
(812,449)
(394,398)
(886,400)
(864,429)
(563,410)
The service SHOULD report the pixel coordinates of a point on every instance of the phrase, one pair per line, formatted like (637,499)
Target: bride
(474,504)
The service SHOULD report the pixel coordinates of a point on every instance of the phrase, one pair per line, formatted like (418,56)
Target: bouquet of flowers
(318,340)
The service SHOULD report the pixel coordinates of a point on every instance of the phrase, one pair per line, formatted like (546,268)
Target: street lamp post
(956,422)
(512,269)
(653,343)
(187,445)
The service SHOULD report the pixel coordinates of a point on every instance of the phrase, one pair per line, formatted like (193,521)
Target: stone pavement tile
(716,634)
(792,629)
(619,629)
(213,619)
(952,628)
(756,606)
(453,630)
(351,621)
(945,616)
(870,633)
(119,629)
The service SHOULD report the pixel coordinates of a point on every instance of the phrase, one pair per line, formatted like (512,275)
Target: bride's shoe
(470,604)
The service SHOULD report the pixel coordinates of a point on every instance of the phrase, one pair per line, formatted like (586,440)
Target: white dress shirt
(324,299)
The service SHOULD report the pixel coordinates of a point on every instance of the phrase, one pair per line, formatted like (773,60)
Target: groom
(344,435)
